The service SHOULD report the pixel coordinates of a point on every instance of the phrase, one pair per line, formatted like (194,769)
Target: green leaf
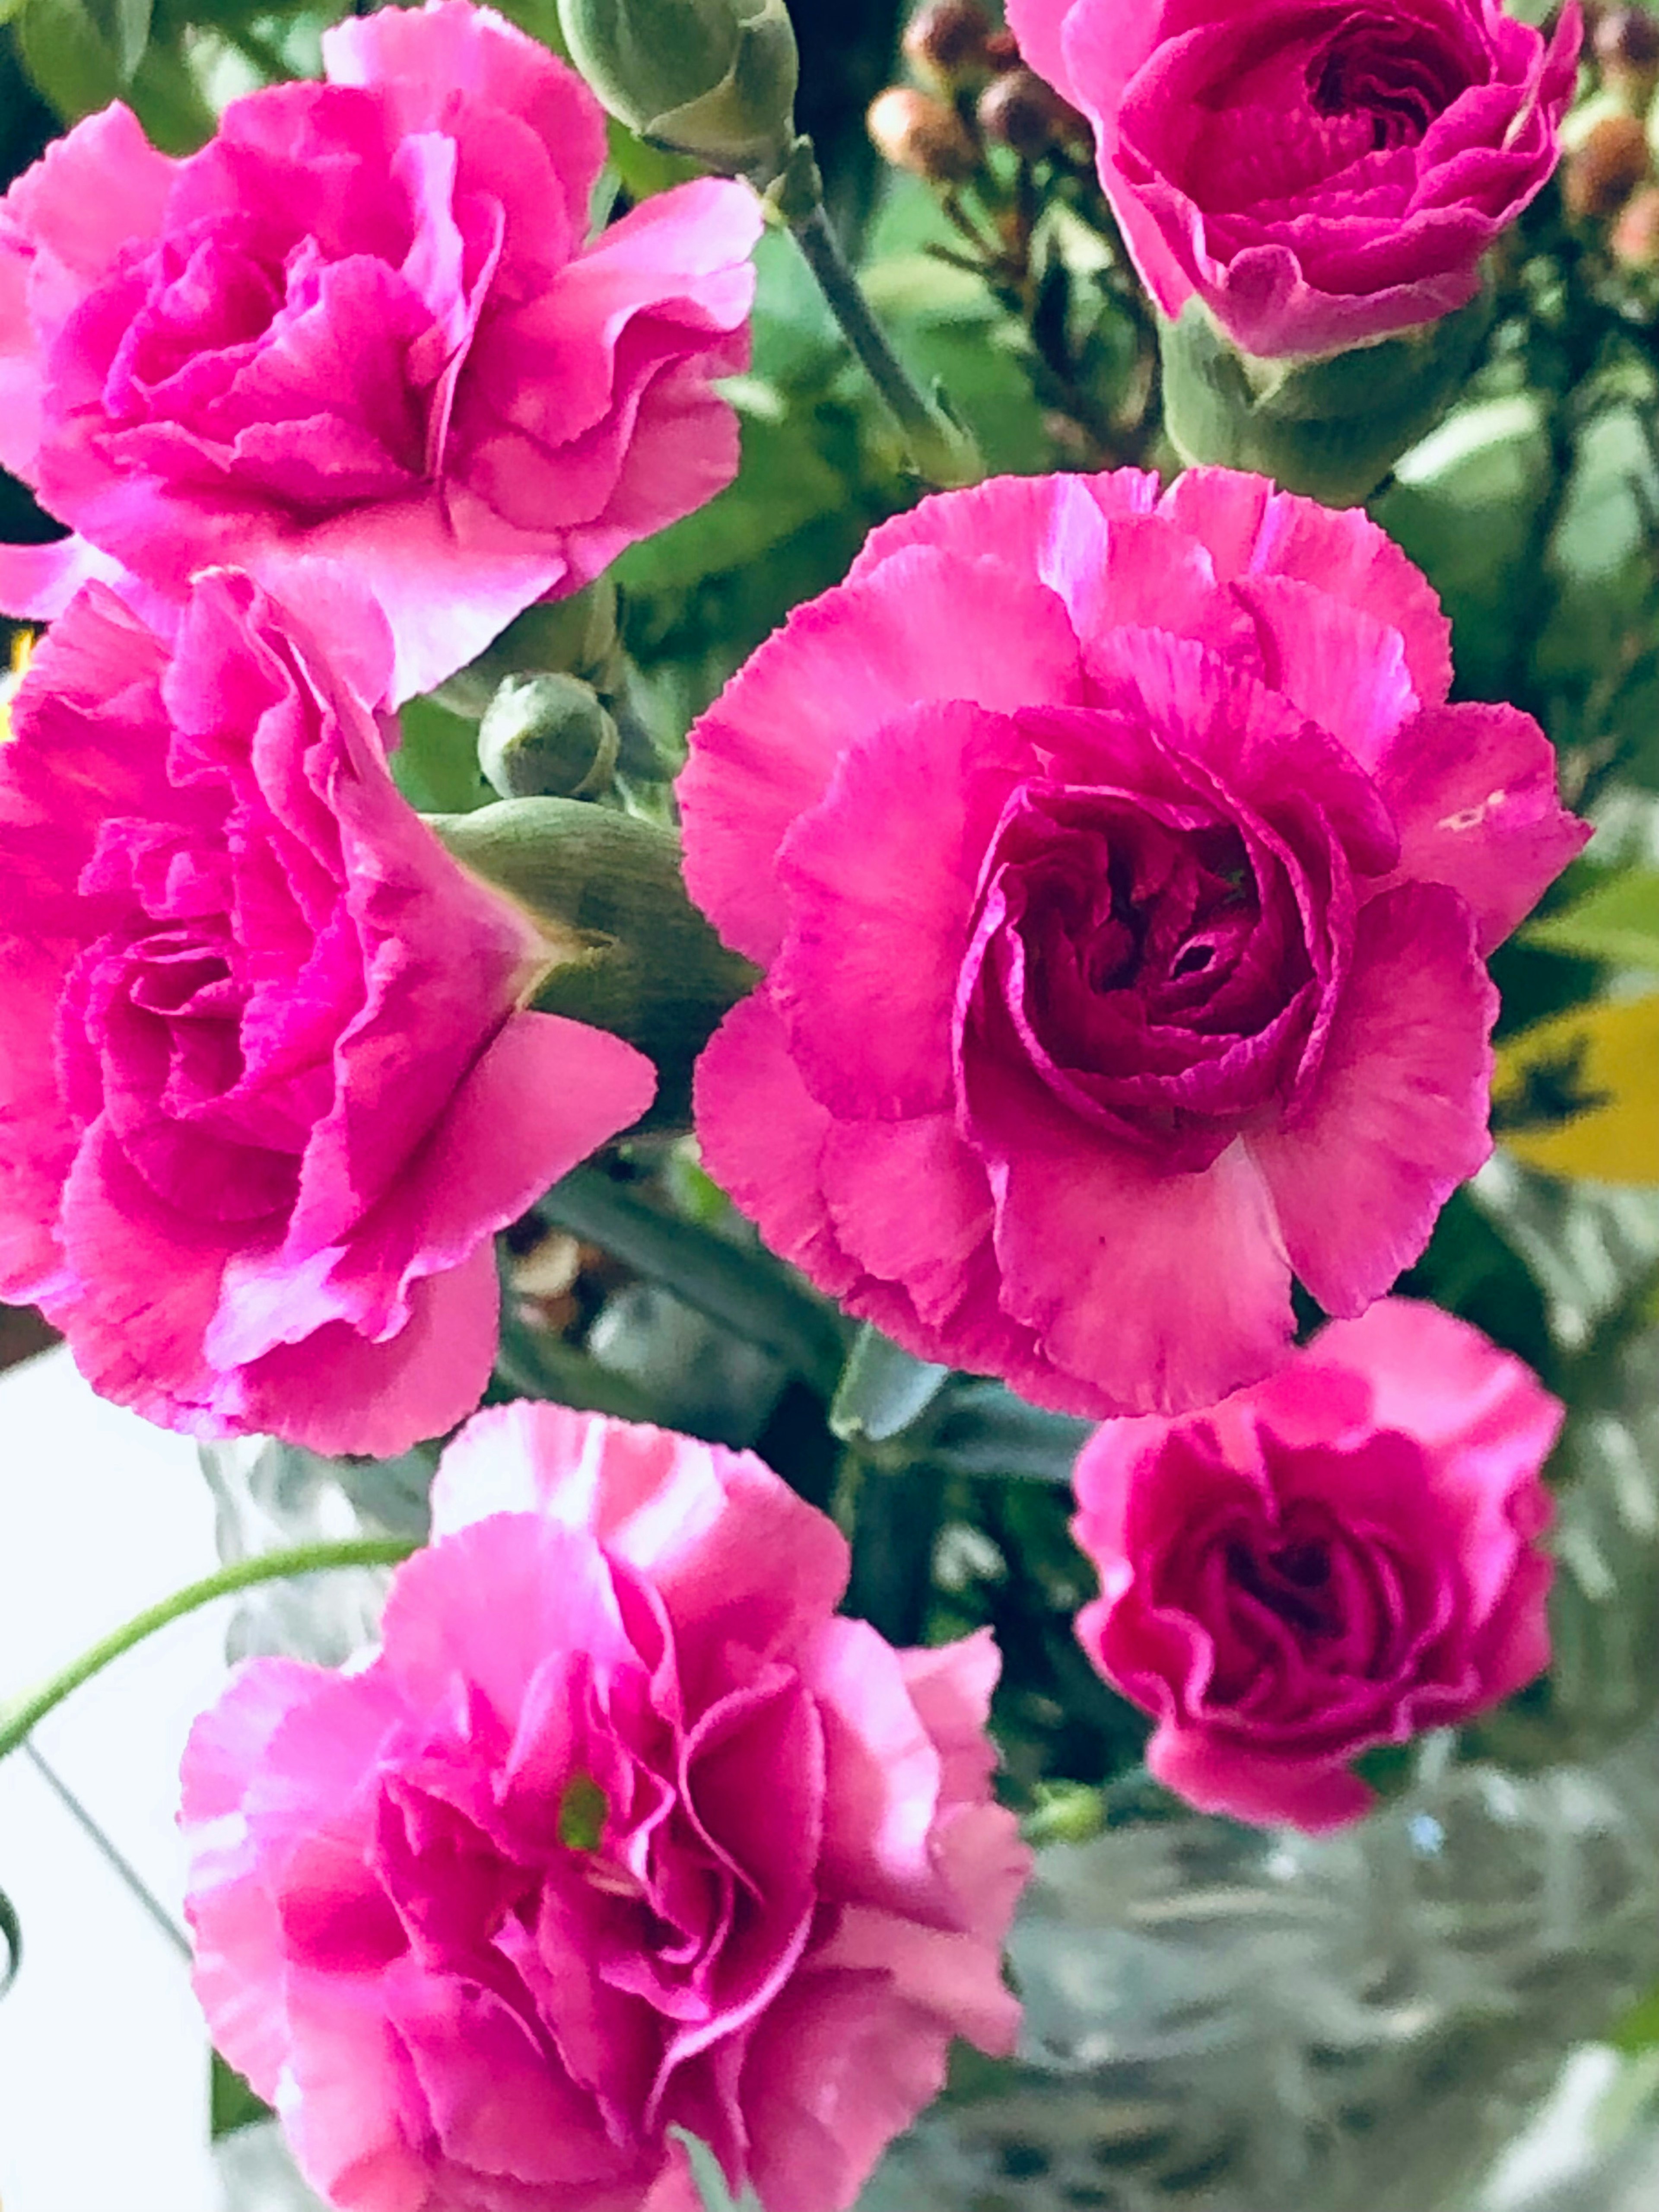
(883,1389)
(82,54)
(783,483)
(11,1935)
(436,766)
(712,2191)
(796,336)
(1463,506)
(986,1430)
(749,1292)
(167,99)
(644,170)
(1618,922)
(231,2103)
(1639,2030)
(1474,1270)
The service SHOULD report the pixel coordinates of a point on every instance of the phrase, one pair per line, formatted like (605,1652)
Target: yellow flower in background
(1599,1064)
(22,648)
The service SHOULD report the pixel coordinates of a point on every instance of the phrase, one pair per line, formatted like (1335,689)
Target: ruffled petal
(925,626)
(1398,1118)
(1472,789)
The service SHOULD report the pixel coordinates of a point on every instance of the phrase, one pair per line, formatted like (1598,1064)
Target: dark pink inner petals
(1147,962)
(1304,98)
(1394,76)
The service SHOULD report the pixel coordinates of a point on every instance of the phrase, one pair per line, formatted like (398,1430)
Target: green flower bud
(1331,427)
(626,949)
(547,736)
(713,78)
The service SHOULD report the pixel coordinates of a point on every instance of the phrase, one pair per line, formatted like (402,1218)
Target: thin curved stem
(941,452)
(17,1723)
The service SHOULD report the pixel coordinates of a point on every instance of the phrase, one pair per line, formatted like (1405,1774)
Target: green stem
(242,1574)
(941,452)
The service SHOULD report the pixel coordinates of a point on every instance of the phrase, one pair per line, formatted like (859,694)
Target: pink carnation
(366,322)
(1318,173)
(1122,880)
(622,1831)
(266,1091)
(1341,1558)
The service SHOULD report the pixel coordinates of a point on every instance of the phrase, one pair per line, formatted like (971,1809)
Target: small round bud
(547,736)
(946,44)
(1635,239)
(1019,110)
(915,131)
(1599,175)
(1002,50)
(1626,45)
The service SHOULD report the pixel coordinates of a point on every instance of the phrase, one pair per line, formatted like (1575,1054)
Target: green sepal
(716,79)
(627,950)
(1333,427)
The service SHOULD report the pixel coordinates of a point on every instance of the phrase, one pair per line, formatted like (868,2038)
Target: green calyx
(627,951)
(716,79)
(1331,428)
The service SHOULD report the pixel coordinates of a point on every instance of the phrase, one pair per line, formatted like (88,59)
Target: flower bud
(627,951)
(1599,175)
(945,43)
(1626,46)
(1331,427)
(712,78)
(913,131)
(1635,239)
(1019,111)
(547,736)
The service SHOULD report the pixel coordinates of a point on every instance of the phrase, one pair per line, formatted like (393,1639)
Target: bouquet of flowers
(776,878)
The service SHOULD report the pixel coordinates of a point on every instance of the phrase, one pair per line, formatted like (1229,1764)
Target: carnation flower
(1122,878)
(1319,173)
(1340,1558)
(266,1089)
(366,322)
(621,1832)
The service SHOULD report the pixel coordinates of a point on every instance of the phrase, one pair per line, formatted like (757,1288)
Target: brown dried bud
(1599,176)
(1002,50)
(1635,239)
(946,44)
(1626,46)
(1019,110)
(913,131)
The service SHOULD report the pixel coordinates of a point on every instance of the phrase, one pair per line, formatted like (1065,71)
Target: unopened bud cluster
(974,93)
(1608,179)
(1625,45)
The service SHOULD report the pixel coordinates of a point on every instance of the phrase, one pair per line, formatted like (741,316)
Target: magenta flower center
(1147,962)
(1393,75)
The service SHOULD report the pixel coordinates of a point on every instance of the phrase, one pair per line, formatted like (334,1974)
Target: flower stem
(942,453)
(19,1720)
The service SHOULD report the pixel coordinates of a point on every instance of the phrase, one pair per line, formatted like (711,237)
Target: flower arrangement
(879,911)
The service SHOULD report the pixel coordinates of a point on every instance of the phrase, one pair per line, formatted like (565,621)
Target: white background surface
(103,2054)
